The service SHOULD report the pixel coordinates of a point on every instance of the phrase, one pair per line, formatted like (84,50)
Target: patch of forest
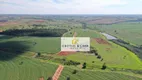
(35,32)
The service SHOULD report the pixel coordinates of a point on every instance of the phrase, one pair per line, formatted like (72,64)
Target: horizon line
(69,14)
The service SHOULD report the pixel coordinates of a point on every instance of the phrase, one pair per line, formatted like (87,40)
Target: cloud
(61,6)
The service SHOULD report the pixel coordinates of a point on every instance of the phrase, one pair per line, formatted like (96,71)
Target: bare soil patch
(65,53)
(102,41)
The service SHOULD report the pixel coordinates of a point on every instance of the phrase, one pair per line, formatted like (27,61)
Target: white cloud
(65,7)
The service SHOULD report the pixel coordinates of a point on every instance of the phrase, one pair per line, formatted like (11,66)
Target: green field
(83,33)
(35,44)
(52,45)
(114,58)
(95,75)
(29,58)
(31,69)
(129,31)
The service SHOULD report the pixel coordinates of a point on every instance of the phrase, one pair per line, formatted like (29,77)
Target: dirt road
(58,72)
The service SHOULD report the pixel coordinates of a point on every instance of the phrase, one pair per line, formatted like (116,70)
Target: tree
(21,63)
(91,47)
(74,72)
(68,78)
(84,65)
(96,53)
(102,59)
(84,25)
(99,57)
(140,46)
(49,78)
(93,61)
(104,66)
(38,54)
(115,31)
(64,59)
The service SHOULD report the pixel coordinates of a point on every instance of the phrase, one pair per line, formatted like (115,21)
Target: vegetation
(59,60)
(128,46)
(30,47)
(35,32)
(104,66)
(84,65)
(95,75)
(83,33)
(128,31)
(74,72)
(48,45)
(31,69)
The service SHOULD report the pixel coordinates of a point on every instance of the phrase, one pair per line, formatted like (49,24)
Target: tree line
(137,50)
(35,32)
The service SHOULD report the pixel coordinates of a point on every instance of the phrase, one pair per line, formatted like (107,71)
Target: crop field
(86,58)
(120,57)
(113,55)
(129,31)
(30,48)
(31,69)
(25,69)
(35,44)
(94,75)
(46,24)
(116,55)
(83,33)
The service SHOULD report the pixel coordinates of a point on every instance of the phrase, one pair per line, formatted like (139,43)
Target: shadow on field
(11,49)
(5,37)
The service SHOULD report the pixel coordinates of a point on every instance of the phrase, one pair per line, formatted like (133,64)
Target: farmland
(107,50)
(35,44)
(30,48)
(129,34)
(129,31)
(83,33)
(91,75)
(25,68)
(32,69)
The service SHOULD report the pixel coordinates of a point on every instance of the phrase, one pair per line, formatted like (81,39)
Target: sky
(70,6)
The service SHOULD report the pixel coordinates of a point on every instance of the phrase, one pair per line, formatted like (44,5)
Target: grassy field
(83,33)
(30,69)
(129,31)
(19,59)
(94,75)
(84,57)
(114,57)
(49,23)
(35,44)
(33,69)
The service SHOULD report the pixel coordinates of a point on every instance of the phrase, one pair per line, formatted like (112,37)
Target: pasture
(117,56)
(20,58)
(94,75)
(34,44)
(113,55)
(128,31)
(22,68)
(83,33)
